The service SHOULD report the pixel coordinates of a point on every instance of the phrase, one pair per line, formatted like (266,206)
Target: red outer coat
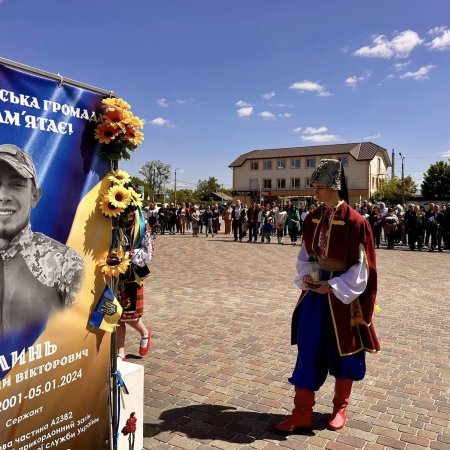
(349,233)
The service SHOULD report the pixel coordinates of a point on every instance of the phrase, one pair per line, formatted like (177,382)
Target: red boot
(342,390)
(301,414)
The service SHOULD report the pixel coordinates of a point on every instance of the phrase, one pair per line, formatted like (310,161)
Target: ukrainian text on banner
(54,372)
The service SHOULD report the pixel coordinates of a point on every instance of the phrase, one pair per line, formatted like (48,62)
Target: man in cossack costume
(332,321)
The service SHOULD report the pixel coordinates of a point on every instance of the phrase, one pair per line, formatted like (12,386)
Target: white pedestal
(133,376)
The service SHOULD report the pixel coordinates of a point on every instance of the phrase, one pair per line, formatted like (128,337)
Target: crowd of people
(418,227)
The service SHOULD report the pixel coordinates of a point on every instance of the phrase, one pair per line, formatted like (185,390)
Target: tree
(206,187)
(156,174)
(391,190)
(436,181)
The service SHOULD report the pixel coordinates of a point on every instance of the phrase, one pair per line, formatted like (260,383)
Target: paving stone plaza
(216,376)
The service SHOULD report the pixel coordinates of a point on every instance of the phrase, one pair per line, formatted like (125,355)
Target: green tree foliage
(206,187)
(391,190)
(156,174)
(436,181)
(140,182)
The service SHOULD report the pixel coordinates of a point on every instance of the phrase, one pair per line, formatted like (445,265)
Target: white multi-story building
(284,173)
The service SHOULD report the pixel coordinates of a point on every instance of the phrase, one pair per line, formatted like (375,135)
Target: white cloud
(321,138)
(282,105)
(371,138)
(245,111)
(269,95)
(267,115)
(162,102)
(354,80)
(446,154)
(442,39)
(420,74)
(296,130)
(401,45)
(242,104)
(312,130)
(310,86)
(398,67)
(285,115)
(182,101)
(160,122)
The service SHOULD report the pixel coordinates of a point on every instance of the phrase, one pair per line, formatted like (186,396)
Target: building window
(254,184)
(267,165)
(295,183)
(267,184)
(281,164)
(281,183)
(308,182)
(378,166)
(295,164)
(344,161)
(311,163)
(254,165)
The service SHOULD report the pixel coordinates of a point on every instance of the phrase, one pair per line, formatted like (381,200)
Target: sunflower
(119,196)
(135,122)
(119,177)
(136,198)
(105,133)
(114,115)
(108,209)
(116,102)
(113,266)
(133,135)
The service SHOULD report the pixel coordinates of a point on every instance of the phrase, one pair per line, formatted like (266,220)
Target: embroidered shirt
(37,276)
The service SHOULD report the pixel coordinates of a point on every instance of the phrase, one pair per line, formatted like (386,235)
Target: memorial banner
(54,370)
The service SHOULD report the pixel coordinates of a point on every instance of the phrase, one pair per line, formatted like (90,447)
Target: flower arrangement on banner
(120,198)
(118,129)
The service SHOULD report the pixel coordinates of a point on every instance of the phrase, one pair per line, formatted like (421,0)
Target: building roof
(361,151)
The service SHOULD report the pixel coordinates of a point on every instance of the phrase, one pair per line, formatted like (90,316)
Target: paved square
(216,376)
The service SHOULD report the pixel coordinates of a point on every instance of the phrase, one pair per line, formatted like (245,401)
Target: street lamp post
(403,179)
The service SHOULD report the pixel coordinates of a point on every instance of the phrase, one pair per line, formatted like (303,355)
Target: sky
(213,79)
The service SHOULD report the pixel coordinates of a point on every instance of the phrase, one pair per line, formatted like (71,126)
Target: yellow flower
(114,115)
(108,209)
(119,177)
(112,265)
(119,196)
(105,133)
(133,135)
(116,102)
(135,122)
(136,198)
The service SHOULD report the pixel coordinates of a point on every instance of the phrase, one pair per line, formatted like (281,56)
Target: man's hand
(321,287)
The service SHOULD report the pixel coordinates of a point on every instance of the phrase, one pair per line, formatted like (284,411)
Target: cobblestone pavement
(216,376)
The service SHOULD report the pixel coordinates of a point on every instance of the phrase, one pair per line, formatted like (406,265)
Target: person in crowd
(38,275)
(252,221)
(195,220)
(435,226)
(216,218)
(390,224)
(171,218)
(414,223)
(188,208)
(152,215)
(162,218)
(201,211)
(400,233)
(181,218)
(265,214)
(286,208)
(208,221)
(428,213)
(332,322)
(227,218)
(274,209)
(375,220)
(267,229)
(293,224)
(446,227)
(281,220)
(238,217)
